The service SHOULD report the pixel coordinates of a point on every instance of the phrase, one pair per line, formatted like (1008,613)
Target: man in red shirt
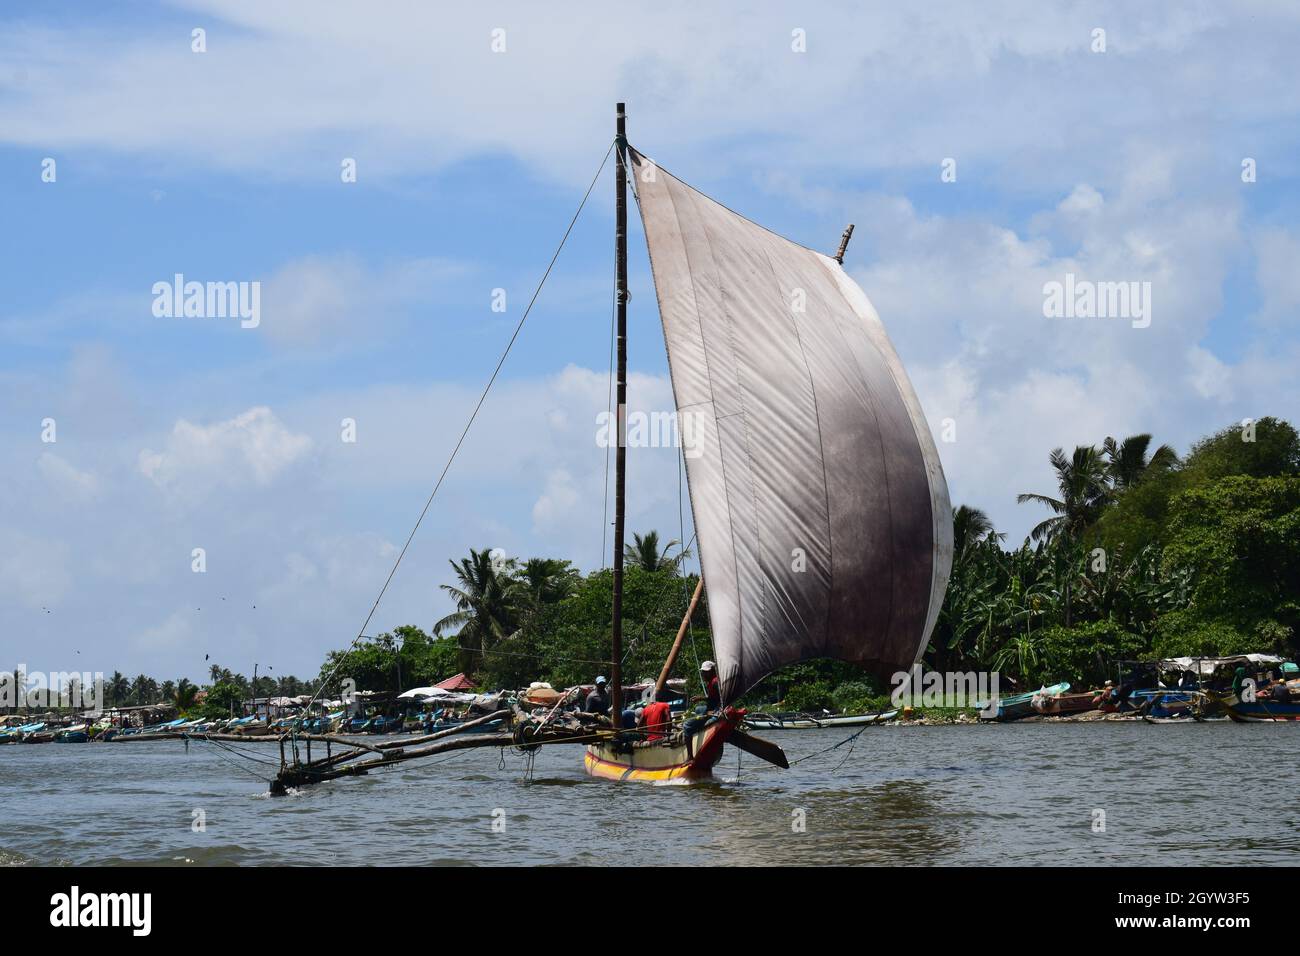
(657,719)
(709,678)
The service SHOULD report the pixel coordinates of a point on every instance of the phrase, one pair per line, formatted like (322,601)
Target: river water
(1201,794)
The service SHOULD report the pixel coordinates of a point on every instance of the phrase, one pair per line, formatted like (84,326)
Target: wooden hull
(663,761)
(1065,704)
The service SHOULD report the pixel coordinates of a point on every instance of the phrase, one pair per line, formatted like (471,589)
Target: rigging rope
(464,432)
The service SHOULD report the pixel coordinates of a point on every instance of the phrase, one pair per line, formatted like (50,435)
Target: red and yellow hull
(662,761)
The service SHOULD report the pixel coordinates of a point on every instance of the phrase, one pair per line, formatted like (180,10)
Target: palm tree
(548,580)
(1082,480)
(186,695)
(487,603)
(144,690)
(119,689)
(1127,463)
(644,553)
(969,527)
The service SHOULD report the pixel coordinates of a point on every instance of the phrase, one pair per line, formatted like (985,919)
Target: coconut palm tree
(1083,479)
(1127,462)
(1083,482)
(186,695)
(969,527)
(547,580)
(118,689)
(644,553)
(144,690)
(487,604)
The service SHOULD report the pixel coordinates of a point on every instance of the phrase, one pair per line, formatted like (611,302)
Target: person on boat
(712,693)
(1238,678)
(1280,692)
(657,719)
(598,699)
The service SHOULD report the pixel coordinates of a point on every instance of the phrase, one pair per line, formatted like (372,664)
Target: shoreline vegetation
(1143,555)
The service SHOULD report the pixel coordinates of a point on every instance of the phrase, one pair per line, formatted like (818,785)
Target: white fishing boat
(812,722)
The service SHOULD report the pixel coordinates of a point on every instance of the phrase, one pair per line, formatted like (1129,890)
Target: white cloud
(1083,200)
(332,300)
(68,481)
(1277,253)
(423,89)
(253,446)
(557,502)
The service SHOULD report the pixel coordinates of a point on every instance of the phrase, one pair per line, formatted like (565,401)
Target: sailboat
(819,501)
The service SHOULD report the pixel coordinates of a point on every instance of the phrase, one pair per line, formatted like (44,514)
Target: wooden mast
(677,643)
(620,454)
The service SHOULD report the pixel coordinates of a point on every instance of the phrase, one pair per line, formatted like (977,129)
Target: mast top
(844,244)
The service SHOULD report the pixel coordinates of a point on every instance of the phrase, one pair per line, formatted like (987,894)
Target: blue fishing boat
(1021,705)
(1261,710)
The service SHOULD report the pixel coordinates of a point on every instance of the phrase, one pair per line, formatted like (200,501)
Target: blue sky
(172,433)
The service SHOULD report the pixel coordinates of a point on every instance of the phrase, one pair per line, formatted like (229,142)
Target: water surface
(1197,794)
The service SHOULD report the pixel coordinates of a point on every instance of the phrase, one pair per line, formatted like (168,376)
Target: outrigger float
(819,502)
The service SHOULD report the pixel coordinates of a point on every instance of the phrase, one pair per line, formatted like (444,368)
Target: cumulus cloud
(253,446)
(268,94)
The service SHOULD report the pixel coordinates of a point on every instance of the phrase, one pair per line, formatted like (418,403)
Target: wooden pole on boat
(677,643)
(620,453)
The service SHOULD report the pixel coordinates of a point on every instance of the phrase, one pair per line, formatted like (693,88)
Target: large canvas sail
(820,504)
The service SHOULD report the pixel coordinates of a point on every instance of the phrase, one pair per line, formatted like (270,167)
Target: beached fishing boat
(819,501)
(1064,705)
(76,734)
(810,722)
(1018,706)
(21,733)
(1260,710)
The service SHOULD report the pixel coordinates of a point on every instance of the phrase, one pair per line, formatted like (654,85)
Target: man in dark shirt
(598,699)
(1280,693)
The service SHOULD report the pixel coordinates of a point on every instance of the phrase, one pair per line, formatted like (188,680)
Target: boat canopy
(1206,666)
(819,500)
(415,692)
